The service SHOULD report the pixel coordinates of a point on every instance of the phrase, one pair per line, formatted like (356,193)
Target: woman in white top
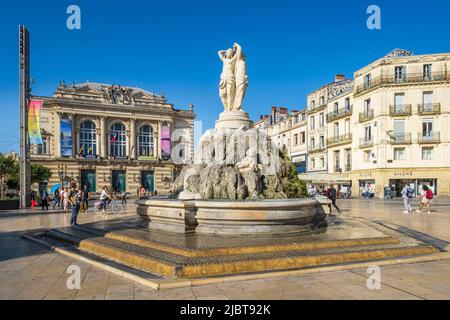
(65,199)
(104,196)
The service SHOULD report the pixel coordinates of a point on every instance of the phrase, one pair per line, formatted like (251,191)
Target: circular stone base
(251,217)
(233,120)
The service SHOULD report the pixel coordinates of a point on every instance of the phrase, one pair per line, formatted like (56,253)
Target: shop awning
(322,178)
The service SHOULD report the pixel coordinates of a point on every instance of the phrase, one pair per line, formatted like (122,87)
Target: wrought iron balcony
(337,169)
(316,109)
(340,113)
(429,109)
(366,116)
(342,139)
(404,138)
(315,149)
(433,137)
(415,78)
(348,167)
(400,110)
(365,142)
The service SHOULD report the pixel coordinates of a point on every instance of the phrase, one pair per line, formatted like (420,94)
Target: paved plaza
(29,271)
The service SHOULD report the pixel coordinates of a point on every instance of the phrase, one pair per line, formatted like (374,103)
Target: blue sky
(292,47)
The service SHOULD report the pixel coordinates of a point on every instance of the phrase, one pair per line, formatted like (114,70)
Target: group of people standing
(331,193)
(66,198)
(143,193)
(424,199)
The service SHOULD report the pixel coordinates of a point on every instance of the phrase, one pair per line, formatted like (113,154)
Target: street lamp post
(25,92)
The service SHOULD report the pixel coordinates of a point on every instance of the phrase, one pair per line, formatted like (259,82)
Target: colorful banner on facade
(66,137)
(165,142)
(34,122)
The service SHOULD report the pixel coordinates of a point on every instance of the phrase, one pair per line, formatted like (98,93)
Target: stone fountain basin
(225,217)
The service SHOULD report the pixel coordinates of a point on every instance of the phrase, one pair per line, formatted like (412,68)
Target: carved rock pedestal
(233,120)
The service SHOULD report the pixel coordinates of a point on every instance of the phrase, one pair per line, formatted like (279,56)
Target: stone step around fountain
(172,265)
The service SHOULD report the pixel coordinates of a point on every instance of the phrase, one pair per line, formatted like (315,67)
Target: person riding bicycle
(105,198)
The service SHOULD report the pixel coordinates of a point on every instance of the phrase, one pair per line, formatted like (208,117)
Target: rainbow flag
(34,121)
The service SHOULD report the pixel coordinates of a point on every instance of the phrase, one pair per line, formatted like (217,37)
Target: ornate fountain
(239,182)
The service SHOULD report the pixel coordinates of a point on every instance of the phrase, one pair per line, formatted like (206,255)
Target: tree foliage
(297,188)
(39,173)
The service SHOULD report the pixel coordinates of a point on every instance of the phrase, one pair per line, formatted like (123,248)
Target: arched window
(87,139)
(146,146)
(117,141)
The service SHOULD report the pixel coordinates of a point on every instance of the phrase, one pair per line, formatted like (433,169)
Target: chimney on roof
(339,77)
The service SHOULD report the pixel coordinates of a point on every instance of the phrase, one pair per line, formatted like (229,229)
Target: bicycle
(113,207)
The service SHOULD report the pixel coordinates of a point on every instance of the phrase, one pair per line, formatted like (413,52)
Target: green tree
(13,181)
(297,187)
(7,164)
(39,173)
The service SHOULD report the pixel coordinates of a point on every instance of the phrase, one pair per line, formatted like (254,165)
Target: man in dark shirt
(332,195)
(84,199)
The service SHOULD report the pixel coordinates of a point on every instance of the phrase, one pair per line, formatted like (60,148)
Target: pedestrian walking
(425,199)
(85,199)
(142,192)
(123,196)
(332,195)
(65,199)
(312,192)
(407,195)
(56,199)
(44,199)
(76,202)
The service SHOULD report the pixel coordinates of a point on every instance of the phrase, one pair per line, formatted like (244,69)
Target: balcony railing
(340,113)
(433,137)
(365,142)
(348,167)
(366,116)
(400,110)
(337,169)
(315,109)
(429,109)
(345,138)
(404,79)
(403,138)
(314,149)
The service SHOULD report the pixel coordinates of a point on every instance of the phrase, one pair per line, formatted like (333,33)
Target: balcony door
(368,133)
(366,107)
(399,130)
(427,101)
(399,99)
(400,74)
(427,128)
(347,126)
(336,130)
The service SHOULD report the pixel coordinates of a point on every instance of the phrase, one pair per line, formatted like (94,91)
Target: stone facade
(120,137)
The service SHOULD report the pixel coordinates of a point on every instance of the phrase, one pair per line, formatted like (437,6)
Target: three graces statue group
(233,80)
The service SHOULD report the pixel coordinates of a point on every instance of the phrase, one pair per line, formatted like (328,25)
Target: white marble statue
(233,80)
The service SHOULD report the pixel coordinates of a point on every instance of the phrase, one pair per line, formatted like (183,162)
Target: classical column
(133,139)
(103,137)
(74,137)
(158,141)
(57,135)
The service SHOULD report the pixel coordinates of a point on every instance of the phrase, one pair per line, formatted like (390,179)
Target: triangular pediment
(143,95)
(87,89)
